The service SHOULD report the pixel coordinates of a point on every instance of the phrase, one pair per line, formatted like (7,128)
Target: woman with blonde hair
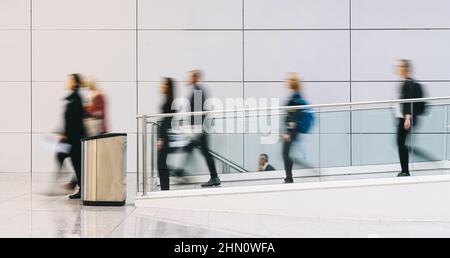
(96,110)
(297,121)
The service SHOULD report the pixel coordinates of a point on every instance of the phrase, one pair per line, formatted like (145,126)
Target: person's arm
(291,117)
(407,107)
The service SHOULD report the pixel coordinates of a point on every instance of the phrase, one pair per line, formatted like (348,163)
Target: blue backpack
(305,117)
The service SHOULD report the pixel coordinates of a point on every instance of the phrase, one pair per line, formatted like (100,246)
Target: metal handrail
(227,162)
(316,111)
(217,156)
(398,101)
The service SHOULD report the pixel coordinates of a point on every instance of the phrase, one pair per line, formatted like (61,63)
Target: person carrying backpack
(297,121)
(407,114)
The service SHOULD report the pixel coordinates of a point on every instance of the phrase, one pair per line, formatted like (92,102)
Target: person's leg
(209,159)
(163,170)
(75,156)
(60,157)
(288,163)
(188,149)
(203,144)
(403,152)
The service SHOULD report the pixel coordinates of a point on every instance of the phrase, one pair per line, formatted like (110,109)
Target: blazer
(198,92)
(291,116)
(166,122)
(74,113)
(409,90)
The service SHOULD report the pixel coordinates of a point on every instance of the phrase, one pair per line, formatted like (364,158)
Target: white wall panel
(335,150)
(16,107)
(373,149)
(400,14)
(15,152)
(121,106)
(48,106)
(296,14)
(150,98)
(14,14)
(374,54)
(15,55)
(313,91)
(316,55)
(376,91)
(173,53)
(84,14)
(430,145)
(109,55)
(190,14)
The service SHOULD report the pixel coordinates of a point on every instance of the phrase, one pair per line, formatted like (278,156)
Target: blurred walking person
(298,121)
(407,114)
(197,101)
(74,129)
(167,89)
(62,153)
(96,110)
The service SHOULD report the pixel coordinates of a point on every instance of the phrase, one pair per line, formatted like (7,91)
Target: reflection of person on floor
(167,89)
(407,114)
(74,129)
(263,163)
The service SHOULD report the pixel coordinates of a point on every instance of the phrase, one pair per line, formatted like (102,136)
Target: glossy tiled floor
(29,209)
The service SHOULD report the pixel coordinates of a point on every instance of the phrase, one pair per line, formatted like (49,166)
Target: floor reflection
(26,211)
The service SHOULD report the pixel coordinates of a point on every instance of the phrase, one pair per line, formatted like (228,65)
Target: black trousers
(60,157)
(75,156)
(403,148)
(163,170)
(403,152)
(202,142)
(288,162)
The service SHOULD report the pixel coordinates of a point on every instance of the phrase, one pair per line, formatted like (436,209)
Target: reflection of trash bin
(103,173)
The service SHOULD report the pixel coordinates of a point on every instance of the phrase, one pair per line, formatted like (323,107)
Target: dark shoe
(75,195)
(288,180)
(214,181)
(402,174)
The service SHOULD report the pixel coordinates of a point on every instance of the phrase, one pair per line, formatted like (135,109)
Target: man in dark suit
(264,163)
(407,114)
(197,101)
(74,129)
